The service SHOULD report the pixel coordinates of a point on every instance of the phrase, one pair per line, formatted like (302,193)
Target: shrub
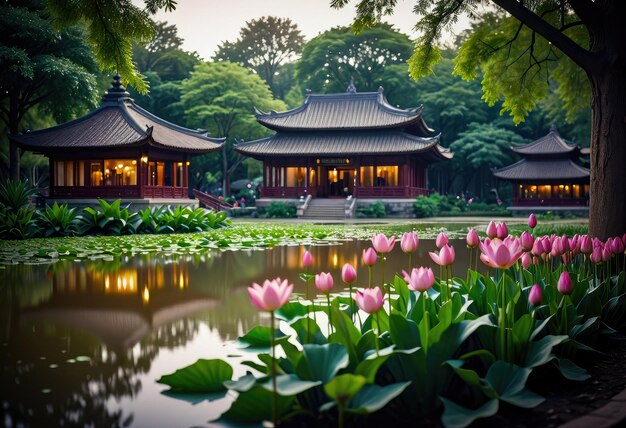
(426,206)
(17,224)
(375,210)
(112,219)
(278,210)
(57,220)
(179,220)
(15,194)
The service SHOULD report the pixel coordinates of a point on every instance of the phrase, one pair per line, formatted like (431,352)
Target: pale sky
(203,24)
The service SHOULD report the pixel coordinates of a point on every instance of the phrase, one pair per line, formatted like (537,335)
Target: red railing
(107,192)
(165,192)
(209,201)
(286,192)
(389,192)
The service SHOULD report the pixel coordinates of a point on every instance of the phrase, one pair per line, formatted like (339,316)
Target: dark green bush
(15,194)
(375,210)
(111,219)
(17,224)
(57,220)
(278,210)
(426,206)
(449,205)
(180,220)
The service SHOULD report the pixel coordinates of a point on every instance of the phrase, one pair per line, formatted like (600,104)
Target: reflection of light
(181,280)
(144,159)
(134,162)
(145,296)
(188,163)
(106,282)
(335,260)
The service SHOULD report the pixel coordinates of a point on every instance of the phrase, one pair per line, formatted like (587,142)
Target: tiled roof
(551,144)
(118,122)
(542,169)
(343,143)
(360,110)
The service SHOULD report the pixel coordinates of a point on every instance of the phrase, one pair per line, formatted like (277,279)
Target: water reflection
(82,343)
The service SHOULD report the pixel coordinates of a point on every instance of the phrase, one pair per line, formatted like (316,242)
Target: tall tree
(264,45)
(54,72)
(579,44)
(220,97)
(331,59)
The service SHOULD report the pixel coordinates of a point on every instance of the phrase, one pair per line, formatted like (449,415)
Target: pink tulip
(272,295)
(501,254)
(527,241)
(557,247)
(565,244)
(535,295)
(532,221)
(472,239)
(369,300)
(492,230)
(369,257)
(606,254)
(420,279)
(348,274)
(586,245)
(502,231)
(409,242)
(596,255)
(307,259)
(442,239)
(382,244)
(324,282)
(617,246)
(445,257)
(565,285)
(526,260)
(537,248)
(547,244)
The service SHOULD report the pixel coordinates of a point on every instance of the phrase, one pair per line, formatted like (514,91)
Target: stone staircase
(326,209)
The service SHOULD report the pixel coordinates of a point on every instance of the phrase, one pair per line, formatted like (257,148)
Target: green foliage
(265,45)
(426,206)
(277,209)
(15,194)
(450,205)
(329,61)
(111,219)
(202,376)
(58,220)
(17,223)
(375,210)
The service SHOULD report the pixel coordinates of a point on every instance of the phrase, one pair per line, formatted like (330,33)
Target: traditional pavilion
(118,151)
(337,145)
(548,175)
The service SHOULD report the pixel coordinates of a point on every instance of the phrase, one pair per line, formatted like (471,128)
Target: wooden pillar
(53,174)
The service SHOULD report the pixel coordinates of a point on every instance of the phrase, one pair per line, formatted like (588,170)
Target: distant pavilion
(344,144)
(118,150)
(549,175)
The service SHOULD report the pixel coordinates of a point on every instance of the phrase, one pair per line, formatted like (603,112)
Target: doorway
(340,182)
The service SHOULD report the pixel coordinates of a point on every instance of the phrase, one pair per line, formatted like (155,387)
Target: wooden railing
(209,201)
(389,192)
(286,192)
(165,192)
(106,192)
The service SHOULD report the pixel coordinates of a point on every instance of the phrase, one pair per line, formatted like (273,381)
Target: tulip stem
(330,320)
(503,348)
(409,270)
(369,279)
(426,321)
(273,370)
(377,332)
(308,315)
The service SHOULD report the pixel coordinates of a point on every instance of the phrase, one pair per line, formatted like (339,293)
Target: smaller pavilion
(117,151)
(549,175)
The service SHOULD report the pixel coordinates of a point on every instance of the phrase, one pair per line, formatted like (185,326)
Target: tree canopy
(53,72)
(221,97)
(524,47)
(264,45)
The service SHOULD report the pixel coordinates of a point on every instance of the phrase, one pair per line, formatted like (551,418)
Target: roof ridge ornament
(351,89)
(116,91)
(553,128)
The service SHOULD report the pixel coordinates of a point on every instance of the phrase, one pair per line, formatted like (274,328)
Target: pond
(83,343)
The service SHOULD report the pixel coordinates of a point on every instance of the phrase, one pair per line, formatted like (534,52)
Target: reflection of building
(548,175)
(118,151)
(122,305)
(345,144)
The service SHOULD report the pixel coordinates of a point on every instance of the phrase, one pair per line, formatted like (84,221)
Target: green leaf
(571,371)
(290,384)
(343,387)
(201,376)
(322,362)
(243,384)
(369,366)
(293,311)
(540,351)
(373,397)
(455,416)
(255,405)
(261,337)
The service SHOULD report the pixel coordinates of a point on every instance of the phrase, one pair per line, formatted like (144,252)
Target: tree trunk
(14,154)
(225,175)
(607,211)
